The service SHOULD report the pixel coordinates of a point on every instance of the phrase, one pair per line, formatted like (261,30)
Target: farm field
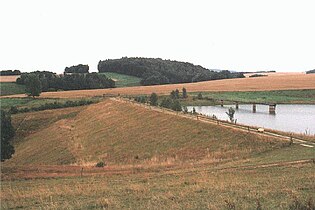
(290,81)
(8,78)
(190,164)
(123,80)
(11,88)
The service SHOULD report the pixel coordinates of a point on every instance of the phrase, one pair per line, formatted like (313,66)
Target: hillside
(155,160)
(156,71)
(120,133)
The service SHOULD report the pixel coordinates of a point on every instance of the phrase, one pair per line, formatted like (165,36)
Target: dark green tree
(173,94)
(166,103)
(154,99)
(7,133)
(33,86)
(185,93)
(230,113)
(176,106)
(176,94)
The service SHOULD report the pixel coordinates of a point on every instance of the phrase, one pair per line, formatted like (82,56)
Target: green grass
(29,102)
(123,80)
(279,97)
(11,88)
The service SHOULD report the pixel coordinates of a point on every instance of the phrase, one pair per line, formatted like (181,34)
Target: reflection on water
(290,118)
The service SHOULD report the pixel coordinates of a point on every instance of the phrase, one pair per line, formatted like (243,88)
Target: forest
(156,71)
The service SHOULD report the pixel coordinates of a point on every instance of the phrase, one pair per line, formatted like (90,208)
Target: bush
(14,110)
(100,164)
(258,75)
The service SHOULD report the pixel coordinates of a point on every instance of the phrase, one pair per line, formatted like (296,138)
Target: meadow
(275,96)
(11,88)
(29,102)
(190,164)
(123,80)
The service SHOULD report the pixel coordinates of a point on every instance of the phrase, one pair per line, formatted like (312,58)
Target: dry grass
(8,78)
(156,161)
(291,81)
(121,133)
(274,188)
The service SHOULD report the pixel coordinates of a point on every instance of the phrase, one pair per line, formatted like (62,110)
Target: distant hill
(310,71)
(156,71)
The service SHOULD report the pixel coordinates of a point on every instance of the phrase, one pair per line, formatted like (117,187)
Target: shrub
(14,110)
(154,99)
(258,75)
(100,164)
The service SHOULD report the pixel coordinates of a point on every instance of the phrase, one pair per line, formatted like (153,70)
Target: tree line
(39,81)
(169,102)
(156,71)
(10,72)
(83,69)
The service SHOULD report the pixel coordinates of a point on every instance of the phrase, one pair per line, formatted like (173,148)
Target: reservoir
(297,118)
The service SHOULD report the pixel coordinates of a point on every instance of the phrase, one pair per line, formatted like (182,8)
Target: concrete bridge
(272,106)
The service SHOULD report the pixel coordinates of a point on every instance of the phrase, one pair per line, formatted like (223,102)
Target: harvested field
(291,81)
(8,78)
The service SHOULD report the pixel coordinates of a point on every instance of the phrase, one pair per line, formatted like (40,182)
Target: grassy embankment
(155,160)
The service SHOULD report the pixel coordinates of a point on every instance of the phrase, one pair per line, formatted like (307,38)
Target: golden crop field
(8,78)
(284,81)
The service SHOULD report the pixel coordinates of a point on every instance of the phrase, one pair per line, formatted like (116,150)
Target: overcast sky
(242,35)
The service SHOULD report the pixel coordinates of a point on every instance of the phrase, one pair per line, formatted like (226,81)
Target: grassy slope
(122,80)
(11,88)
(122,131)
(119,133)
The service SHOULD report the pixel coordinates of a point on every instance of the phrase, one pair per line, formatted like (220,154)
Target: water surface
(297,118)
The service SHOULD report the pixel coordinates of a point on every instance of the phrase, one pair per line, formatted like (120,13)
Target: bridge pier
(272,108)
(254,108)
